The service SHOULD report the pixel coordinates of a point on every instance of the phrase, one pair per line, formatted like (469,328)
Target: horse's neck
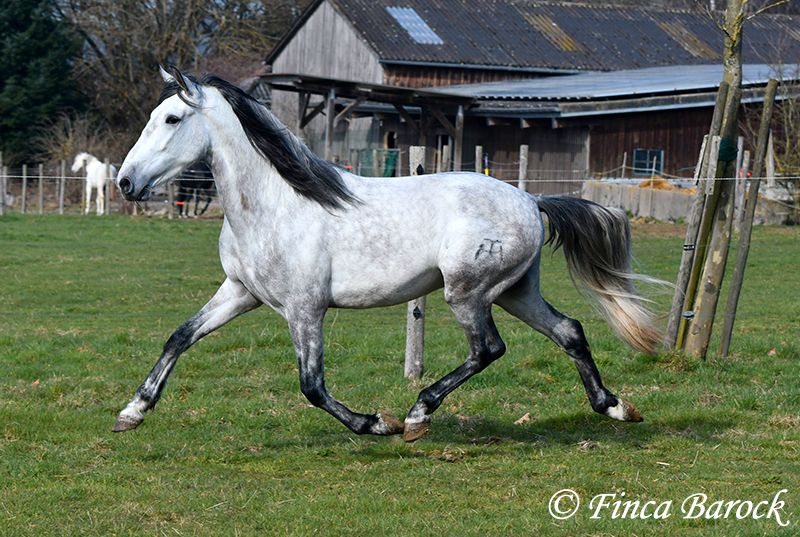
(249,185)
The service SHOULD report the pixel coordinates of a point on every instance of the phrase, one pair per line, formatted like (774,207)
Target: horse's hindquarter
(409,234)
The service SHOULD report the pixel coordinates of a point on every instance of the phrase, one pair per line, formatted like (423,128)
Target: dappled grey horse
(303,236)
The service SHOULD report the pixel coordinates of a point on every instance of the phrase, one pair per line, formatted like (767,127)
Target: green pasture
(233,448)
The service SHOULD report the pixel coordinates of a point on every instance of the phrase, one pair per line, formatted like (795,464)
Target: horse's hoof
(416,430)
(624,411)
(126,423)
(388,424)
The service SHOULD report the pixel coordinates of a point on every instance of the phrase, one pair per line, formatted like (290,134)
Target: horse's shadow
(587,431)
(576,428)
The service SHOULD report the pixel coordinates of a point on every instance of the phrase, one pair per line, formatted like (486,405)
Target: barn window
(643,161)
(417,28)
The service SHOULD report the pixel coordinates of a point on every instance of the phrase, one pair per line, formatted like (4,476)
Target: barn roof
(549,37)
(632,83)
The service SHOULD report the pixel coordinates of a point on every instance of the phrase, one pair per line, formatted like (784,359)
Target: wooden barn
(584,86)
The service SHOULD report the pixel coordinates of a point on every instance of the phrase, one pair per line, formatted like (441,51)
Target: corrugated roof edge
(613,85)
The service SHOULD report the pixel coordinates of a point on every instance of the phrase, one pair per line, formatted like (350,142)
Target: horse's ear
(178,76)
(165,75)
(170,73)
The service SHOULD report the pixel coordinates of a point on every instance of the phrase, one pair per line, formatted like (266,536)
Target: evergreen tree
(36,53)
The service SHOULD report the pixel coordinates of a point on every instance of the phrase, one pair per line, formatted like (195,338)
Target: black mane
(309,175)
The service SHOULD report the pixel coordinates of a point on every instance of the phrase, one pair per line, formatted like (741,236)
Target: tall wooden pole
(699,333)
(415,317)
(682,298)
(747,226)
(478,159)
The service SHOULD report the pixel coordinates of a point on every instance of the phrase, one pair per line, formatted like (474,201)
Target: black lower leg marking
(486,346)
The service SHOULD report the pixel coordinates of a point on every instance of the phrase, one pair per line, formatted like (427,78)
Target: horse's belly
(371,286)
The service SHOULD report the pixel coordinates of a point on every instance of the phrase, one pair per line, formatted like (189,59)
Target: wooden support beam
(302,106)
(347,110)
(330,109)
(441,118)
(410,120)
(311,115)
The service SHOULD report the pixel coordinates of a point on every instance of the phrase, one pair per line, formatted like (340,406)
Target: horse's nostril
(126,186)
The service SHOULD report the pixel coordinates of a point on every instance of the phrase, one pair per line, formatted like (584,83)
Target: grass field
(233,448)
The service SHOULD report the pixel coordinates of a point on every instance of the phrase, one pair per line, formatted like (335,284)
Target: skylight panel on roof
(417,28)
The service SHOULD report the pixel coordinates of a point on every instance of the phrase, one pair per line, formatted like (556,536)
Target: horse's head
(175,137)
(81,160)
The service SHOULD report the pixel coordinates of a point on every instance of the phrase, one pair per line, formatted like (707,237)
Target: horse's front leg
(230,301)
(306,334)
(88,206)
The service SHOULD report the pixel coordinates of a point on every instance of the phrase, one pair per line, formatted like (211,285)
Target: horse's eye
(171,120)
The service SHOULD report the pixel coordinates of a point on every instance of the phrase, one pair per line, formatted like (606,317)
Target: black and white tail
(597,245)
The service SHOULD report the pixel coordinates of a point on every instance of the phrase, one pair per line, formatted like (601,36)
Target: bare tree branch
(766,8)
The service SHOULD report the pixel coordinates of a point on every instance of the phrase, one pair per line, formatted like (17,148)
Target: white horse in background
(97,176)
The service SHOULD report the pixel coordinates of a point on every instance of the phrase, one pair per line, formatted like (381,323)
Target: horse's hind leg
(485,346)
(101,200)
(525,302)
(306,331)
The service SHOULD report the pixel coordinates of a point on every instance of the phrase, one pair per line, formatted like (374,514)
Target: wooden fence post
(415,317)
(523,168)
(478,159)
(41,189)
(108,189)
(24,188)
(84,202)
(2,186)
(747,226)
(171,198)
(61,185)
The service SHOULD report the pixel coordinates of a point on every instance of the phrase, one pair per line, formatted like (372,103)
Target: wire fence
(51,188)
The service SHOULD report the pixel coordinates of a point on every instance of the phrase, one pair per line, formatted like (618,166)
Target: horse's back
(408,235)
